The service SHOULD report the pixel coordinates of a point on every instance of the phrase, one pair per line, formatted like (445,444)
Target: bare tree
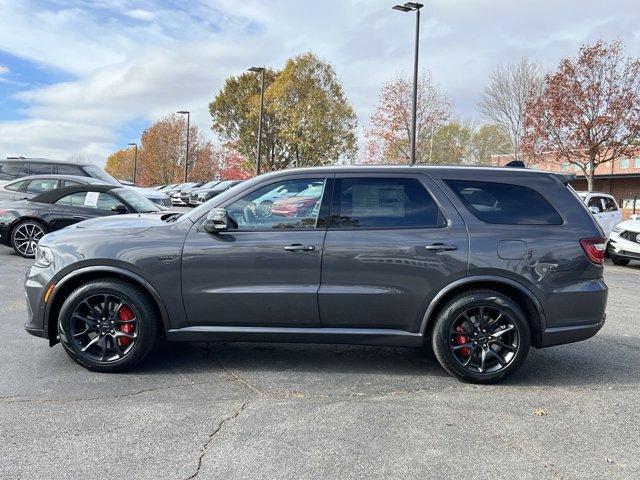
(504,100)
(589,111)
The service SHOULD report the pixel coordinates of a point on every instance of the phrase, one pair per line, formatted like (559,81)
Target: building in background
(619,178)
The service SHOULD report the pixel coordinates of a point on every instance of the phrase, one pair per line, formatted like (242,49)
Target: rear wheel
(108,325)
(481,336)
(25,237)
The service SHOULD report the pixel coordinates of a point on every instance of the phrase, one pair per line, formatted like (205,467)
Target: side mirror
(119,209)
(217,221)
(594,210)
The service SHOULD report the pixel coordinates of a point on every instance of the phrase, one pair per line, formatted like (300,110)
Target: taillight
(594,248)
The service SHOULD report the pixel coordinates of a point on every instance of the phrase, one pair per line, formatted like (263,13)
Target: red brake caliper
(460,340)
(125,314)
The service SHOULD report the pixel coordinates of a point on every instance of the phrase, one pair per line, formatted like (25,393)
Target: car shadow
(587,364)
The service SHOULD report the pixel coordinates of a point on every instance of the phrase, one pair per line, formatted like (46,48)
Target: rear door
(393,242)
(603,217)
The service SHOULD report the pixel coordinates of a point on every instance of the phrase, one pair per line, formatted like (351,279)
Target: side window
(504,203)
(597,202)
(10,170)
(383,203)
(609,204)
(97,200)
(40,169)
(42,185)
(15,186)
(71,183)
(282,205)
(62,169)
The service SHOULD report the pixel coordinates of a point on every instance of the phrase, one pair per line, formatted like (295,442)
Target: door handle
(79,217)
(441,247)
(296,247)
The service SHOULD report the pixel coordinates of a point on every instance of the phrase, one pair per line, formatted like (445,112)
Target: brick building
(620,178)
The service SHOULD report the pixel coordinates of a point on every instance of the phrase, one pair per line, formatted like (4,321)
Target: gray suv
(480,263)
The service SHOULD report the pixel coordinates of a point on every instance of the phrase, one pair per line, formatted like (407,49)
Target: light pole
(413,7)
(135,162)
(186,160)
(259,70)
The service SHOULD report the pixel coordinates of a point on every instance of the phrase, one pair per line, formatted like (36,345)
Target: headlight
(618,229)
(44,256)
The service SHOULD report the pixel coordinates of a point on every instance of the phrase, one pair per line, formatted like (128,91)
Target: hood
(630,226)
(130,223)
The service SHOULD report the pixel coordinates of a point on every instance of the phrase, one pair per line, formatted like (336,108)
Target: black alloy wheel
(108,325)
(481,336)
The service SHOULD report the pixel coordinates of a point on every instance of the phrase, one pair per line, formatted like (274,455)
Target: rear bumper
(574,333)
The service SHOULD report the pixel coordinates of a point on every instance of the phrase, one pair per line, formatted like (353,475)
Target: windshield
(213,183)
(137,201)
(100,174)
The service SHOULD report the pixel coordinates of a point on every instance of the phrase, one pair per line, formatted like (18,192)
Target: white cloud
(177,59)
(4,70)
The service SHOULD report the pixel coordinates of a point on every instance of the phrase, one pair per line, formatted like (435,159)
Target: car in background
(24,222)
(176,200)
(604,209)
(264,204)
(28,187)
(185,193)
(201,195)
(18,167)
(624,242)
(300,204)
(204,186)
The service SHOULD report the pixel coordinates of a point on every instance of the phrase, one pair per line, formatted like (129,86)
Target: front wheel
(481,336)
(108,325)
(25,237)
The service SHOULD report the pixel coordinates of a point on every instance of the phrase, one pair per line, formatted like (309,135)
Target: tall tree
(389,135)
(316,123)
(453,144)
(307,119)
(488,140)
(504,99)
(589,111)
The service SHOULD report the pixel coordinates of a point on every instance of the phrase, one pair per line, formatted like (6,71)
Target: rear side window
(15,186)
(40,169)
(503,203)
(42,185)
(383,203)
(62,169)
(10,170)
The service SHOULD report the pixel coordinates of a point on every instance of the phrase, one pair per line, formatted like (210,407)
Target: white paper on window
(377,201)
(91,200)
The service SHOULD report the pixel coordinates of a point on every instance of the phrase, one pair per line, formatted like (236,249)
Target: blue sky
(83,78)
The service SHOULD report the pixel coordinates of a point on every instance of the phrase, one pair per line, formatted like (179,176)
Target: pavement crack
(239,378)
(212,436)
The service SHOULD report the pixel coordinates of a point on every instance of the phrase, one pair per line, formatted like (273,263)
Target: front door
(265,270)
(393,242)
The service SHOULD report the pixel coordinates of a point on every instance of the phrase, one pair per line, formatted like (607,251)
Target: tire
(619,260)
(25,236)
(264,209)
(481,307)
(125,346)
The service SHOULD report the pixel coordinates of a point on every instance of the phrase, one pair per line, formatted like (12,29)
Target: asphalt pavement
(276,411)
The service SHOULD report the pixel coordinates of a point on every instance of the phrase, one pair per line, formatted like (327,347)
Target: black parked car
(479,263)
(23,223)
(29,187)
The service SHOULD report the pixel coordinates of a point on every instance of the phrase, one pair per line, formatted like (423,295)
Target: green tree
(489,139)
(307,119)
(453,144)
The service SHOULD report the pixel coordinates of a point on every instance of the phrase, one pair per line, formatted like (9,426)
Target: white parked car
(604,208)
(624,242)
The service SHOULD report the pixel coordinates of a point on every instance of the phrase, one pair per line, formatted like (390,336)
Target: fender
(482,278)
(108,269)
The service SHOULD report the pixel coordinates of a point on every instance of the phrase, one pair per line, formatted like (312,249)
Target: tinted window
(42,185)
(69,170)
(140,203)
(40,168)
(504,203)
(10,170)
(383,203)
(272,207)
(15,186)
(97,200)
(71,183)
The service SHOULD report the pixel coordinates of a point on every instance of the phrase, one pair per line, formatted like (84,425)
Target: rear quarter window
(505,203)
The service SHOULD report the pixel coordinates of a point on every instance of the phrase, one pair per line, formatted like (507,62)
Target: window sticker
(91,200)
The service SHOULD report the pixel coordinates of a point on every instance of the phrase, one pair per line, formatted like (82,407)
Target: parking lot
(309,411)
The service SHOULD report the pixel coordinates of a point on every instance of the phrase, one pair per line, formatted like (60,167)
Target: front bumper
(35,285)
(177,202)
(624,248)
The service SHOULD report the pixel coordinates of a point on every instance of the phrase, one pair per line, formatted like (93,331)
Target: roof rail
(15,158)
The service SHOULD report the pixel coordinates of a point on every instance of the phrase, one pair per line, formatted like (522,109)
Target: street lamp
(135,161)
(413,7)
(259,70)
(186,160)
